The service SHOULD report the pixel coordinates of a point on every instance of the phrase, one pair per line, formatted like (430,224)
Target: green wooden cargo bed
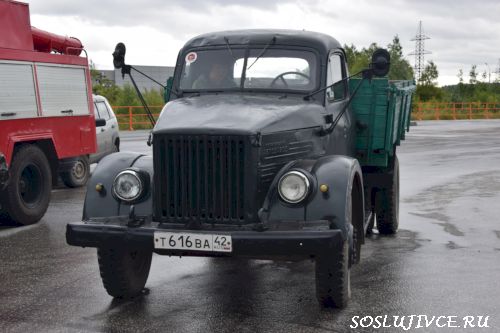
(383,110)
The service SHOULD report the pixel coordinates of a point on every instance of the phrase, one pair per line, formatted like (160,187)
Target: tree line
(473,90)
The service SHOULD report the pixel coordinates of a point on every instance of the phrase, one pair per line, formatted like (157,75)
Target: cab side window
(102,110)
(335,75)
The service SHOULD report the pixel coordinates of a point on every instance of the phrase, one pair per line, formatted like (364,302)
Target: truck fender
(340,174)
(99,204)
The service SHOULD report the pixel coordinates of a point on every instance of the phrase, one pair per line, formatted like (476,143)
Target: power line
(420,51)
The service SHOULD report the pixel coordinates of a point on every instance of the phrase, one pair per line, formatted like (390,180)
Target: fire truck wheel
(79,173)
(28,192)
(124,271)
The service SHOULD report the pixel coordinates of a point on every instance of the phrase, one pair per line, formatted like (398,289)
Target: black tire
(79,173)
(357,220)
(27,194)
(124,271)
(333,282)
(387,202)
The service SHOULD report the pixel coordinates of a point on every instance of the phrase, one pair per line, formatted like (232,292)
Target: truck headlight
(128,185)
(293,187)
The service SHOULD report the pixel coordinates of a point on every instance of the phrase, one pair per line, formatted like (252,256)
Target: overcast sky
(462,32)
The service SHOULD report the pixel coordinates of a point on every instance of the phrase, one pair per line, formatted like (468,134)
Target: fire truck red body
(45,105)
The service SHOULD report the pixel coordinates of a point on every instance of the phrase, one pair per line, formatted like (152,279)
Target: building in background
(159,73)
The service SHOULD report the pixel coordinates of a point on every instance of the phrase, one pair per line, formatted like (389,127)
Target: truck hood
(238,114)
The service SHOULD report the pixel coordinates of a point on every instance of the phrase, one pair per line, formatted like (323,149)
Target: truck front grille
(200,177)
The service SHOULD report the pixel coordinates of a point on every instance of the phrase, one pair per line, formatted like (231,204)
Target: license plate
(193,241)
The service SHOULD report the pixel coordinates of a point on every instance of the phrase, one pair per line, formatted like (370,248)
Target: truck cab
(259,153)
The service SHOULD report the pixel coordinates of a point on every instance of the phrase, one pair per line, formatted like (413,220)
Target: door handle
(112,126)
(8,114)
(102,129)
(67,111)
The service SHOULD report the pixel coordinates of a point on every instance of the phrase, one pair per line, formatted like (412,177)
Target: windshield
(275,69)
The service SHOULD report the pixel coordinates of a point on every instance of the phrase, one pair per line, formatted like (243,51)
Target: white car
(108,136)
(108,142)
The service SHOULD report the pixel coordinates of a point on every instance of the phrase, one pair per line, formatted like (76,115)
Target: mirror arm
(330,128)
(149,77)
(308,96)
(126,70)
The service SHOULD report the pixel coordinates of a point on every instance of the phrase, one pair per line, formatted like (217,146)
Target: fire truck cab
(46,114)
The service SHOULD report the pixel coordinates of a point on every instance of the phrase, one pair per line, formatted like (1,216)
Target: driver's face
(218,73)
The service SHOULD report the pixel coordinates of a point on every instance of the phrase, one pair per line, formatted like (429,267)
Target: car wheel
(79,173)
(27,194)
(124,271)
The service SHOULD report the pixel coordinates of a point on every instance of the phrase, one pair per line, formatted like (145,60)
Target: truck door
(336,99)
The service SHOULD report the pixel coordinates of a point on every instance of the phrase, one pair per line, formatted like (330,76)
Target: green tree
(358,60)
(460,76)
(473,75)
(426,88)
(429,75)
(400,68)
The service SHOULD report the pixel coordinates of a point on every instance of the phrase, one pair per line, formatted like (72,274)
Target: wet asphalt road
(444,261)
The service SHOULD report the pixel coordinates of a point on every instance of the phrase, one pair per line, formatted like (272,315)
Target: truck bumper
(256,244)
(4,172)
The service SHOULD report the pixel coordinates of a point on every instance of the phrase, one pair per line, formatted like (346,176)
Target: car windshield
(270,69)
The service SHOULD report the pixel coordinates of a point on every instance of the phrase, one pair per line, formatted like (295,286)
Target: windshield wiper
(245,62)
(272,41)
(229,48)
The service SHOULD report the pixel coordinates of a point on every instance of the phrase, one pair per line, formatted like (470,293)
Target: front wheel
(333,278)
(79,173)
(124,271)
(27,194)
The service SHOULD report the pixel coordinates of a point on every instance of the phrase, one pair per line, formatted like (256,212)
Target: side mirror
(99,122)
(381,61)
(119,55)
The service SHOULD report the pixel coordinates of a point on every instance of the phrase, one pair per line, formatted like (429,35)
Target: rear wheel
(387,202)
(79,173)
(27,194)
(124,271)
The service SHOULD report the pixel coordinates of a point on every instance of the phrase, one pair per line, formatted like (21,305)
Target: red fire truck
(47,125)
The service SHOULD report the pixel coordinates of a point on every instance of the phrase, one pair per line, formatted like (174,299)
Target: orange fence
(135,117)
(455,111)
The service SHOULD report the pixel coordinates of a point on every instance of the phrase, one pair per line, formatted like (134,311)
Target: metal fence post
(130,123)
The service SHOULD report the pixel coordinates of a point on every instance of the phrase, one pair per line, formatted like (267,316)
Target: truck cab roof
(319,41)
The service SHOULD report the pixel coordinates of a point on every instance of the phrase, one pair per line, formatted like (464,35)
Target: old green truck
(267,148)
